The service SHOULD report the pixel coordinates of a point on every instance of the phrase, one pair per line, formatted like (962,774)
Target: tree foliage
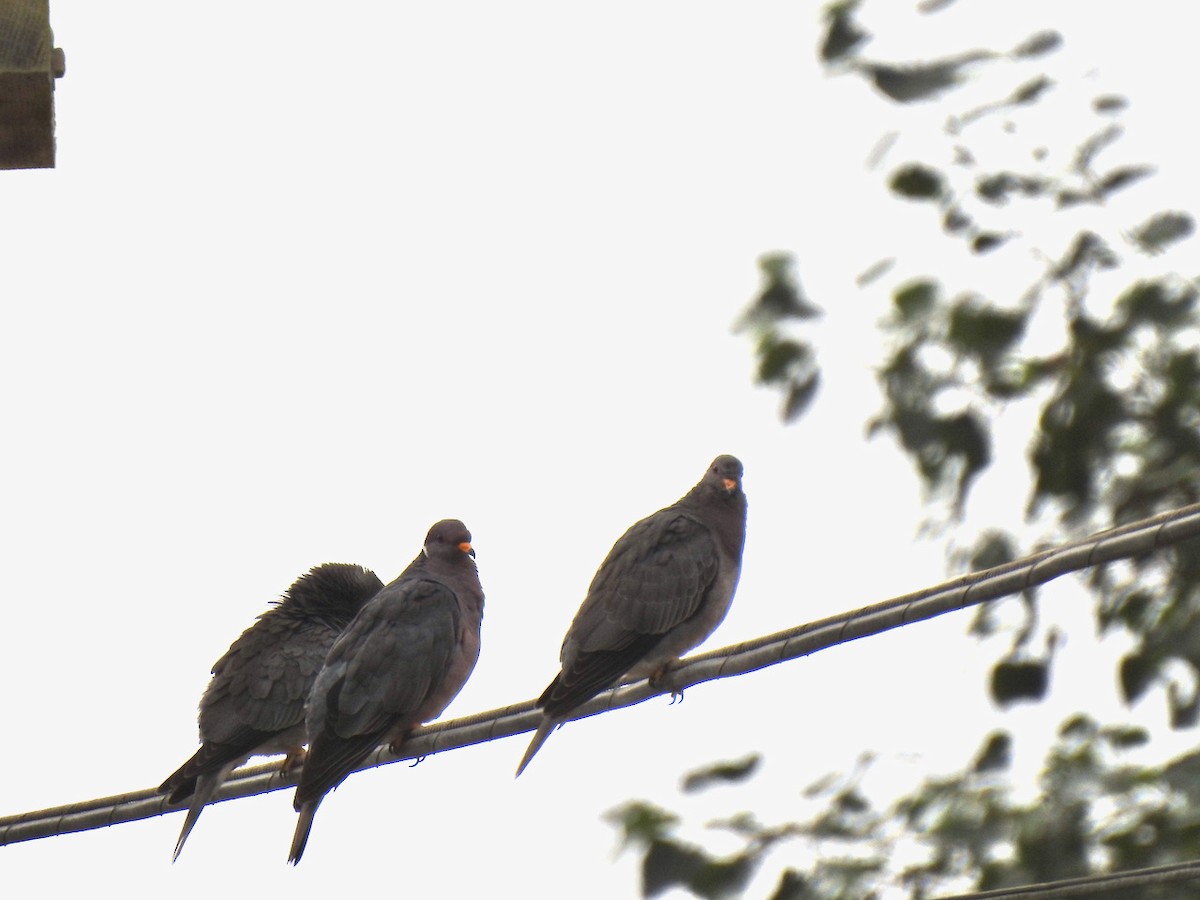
(1109,366)
(970,830)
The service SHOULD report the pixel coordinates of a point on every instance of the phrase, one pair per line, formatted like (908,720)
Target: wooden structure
(29,63)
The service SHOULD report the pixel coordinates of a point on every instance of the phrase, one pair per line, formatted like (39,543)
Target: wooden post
(29,63)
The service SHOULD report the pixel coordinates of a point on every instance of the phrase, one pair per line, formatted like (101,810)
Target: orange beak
(465,546)
(730,483)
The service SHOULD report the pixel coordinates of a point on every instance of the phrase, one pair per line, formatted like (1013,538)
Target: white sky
(307,279)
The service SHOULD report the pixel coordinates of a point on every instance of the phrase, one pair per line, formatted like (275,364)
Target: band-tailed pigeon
(401,661)
(664,587)
(254,703)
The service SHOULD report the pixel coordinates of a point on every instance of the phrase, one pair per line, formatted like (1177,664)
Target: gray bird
(254,704)
(665,586)
(405,656)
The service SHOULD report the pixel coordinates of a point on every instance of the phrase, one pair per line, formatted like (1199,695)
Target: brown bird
(665,586)
(254,704)
(401,661)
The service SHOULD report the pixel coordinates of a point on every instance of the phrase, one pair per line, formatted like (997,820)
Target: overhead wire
(1130,540)
(1091,885)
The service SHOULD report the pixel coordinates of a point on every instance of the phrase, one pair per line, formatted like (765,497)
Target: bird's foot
(293,760)
(663,680)
(398,738)
(416,762)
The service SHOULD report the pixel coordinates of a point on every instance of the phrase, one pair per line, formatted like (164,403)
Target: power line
(1134,539)
(1091,885)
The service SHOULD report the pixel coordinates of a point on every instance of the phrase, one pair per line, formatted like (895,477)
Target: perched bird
(664,587)
(401,661)
(255,702)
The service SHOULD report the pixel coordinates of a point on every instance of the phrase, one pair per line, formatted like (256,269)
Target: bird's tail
(540,736)
(206,786)
(303,827)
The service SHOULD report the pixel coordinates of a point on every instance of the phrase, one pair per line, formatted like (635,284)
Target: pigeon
(254,703)
(663,589)
(401,661)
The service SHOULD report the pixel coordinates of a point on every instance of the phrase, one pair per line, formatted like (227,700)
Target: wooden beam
(29,63)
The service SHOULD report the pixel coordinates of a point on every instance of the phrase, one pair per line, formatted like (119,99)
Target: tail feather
(303,827)
(206,786)
(540,737)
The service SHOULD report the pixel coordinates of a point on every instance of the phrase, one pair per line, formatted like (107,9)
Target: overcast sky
(308,279)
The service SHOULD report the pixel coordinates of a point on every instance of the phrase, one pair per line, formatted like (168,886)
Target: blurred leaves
(1094,811)
(917,182)
(928,403)
(995,754)
(1109,103)
(921,81)
(958,359)
(842,33)
(721,773)
(641,823)
(1015,679)
(1162,229)
(1110,378)
(786,363)
(1123,177)
(1089,365)
(1039,44)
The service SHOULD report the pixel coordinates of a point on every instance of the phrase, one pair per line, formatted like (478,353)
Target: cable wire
(1134,539)
(1091,885)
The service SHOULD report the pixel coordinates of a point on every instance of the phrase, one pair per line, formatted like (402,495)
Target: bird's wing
(655,578)
(379,677)
(262,683)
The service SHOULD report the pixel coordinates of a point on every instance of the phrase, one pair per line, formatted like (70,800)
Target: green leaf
(778,357)
(1138,672)
(1156,303)
(800,396)
(1086,251)
(668,864)
(997,188)
(641,823)
(779,299)
(916,299)
(995,754)
(906,84)
(721,773)
(1185,710)
(1031,90)
(993,548)
(1070,197)
(1162,229)
(955,221)
(1123,177)
(932,6)
(874,271)
(793,886)
(1109,103)
(918,182)
(1134,610)
(983,331)
(1125,737)
(987,242)
(1038,44)
(1016,680)
(718,878)
(851,802)
(1080,727)
(843,34)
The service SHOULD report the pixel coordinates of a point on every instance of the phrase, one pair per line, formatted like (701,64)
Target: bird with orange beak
(398,664)
(664,588)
